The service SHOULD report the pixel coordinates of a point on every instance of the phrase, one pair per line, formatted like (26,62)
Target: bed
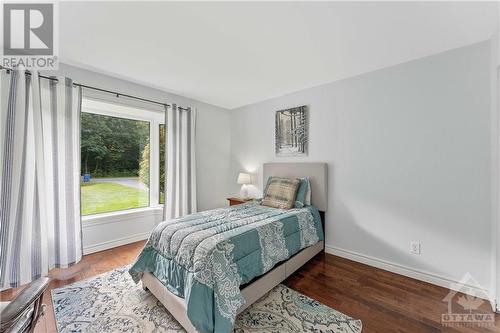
(207,267)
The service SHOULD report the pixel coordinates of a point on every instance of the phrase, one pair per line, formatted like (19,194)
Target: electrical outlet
(415,247)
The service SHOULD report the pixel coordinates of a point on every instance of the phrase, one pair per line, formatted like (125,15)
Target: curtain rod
(124,95)
(117,94)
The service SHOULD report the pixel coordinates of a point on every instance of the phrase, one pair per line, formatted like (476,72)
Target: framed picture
(291,132)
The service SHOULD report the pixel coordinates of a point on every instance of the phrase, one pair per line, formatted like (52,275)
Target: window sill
(122,215)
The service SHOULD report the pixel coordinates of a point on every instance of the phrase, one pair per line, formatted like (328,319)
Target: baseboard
(115,242)
(403,270)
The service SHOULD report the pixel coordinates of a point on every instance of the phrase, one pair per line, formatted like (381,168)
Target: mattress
(206,257)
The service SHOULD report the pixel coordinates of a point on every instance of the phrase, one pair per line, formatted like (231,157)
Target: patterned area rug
(111,302)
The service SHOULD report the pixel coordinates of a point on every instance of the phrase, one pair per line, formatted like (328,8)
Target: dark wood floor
(91,265)
(385,302)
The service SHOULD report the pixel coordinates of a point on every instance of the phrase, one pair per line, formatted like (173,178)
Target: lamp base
(244,193)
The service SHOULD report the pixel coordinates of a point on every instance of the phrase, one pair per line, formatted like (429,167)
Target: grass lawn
(108,197)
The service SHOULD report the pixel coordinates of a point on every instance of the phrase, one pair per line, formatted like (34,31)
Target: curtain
(180,164)
(39,176)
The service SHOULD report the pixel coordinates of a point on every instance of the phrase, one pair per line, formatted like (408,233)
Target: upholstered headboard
(317,173)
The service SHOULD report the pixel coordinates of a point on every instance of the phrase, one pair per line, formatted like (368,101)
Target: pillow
(300,200)
(307,202)
(281,193)
(267,183)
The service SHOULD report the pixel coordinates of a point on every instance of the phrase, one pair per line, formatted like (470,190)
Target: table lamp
(244,179)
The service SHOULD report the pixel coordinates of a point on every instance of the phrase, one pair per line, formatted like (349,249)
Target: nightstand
(237,201)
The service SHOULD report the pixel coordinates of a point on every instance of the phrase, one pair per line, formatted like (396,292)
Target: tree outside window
(114,161)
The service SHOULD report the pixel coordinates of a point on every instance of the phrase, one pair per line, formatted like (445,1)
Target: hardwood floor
(91,265)
(385,302)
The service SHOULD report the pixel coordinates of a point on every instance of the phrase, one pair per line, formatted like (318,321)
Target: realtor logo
(467,309)
(29,35)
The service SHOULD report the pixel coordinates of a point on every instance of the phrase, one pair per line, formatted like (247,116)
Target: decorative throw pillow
(300,200)
(307,202)
(267,183)
(281,193)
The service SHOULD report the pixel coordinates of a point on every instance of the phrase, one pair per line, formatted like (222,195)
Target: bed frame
(318,176)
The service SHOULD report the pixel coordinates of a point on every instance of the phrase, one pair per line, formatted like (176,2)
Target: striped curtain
(39,176)
(180,164)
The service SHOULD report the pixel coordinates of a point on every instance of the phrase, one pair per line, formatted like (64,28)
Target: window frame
(154,118)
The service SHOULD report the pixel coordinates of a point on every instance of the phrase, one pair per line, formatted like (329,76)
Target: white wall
(212,160)
(495,141)
(213,136)
(495,153)
(408,149)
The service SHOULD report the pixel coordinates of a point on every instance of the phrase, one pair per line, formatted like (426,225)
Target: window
(162,149)
(115,163)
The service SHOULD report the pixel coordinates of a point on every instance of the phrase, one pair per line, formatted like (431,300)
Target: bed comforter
(205,257)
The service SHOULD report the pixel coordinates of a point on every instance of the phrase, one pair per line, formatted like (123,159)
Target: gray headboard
(317,173)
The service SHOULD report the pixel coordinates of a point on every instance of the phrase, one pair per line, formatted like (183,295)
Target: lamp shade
(244,178)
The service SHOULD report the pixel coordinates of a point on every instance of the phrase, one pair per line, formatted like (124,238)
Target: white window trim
(90,105)
(120,216)
(155,118)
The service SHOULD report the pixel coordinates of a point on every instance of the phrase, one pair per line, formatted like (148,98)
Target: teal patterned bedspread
(205,257)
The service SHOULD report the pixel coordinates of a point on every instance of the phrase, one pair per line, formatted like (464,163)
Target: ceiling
(232,54)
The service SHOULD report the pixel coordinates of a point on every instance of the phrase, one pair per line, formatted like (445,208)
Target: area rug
(111,302)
